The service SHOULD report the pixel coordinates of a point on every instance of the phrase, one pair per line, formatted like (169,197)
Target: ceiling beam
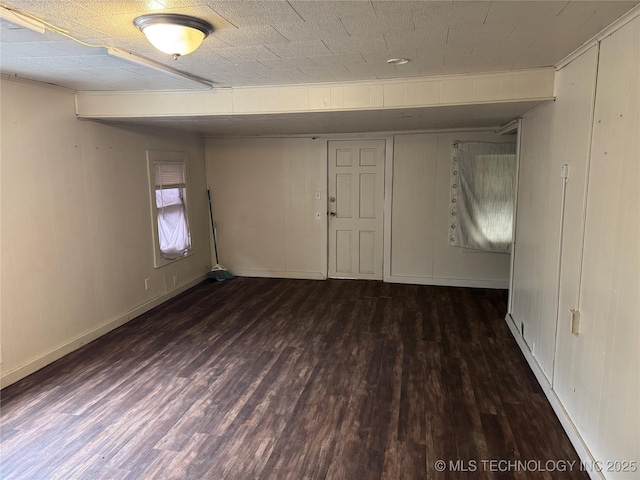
(476,89)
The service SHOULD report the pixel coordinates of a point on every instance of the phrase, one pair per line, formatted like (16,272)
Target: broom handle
(213,227)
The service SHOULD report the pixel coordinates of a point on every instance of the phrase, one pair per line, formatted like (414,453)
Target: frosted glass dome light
(173,34)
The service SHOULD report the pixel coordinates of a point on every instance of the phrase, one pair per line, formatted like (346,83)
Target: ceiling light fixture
(397,61)
(173,34)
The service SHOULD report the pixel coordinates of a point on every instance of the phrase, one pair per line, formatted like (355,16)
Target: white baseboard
(274,274)
(34,365)
(448,282)
(565,419)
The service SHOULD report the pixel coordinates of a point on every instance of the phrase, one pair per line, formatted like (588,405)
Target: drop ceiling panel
(252,66)
(242,14)
(102,8)
(302,41)
(79,29)
(57,12)
(325,74)
(343,75)
(464,38)
(371,70)
(387,73)
(310,10)
(433,38)
(288,63)
(242,37)
(182,3)
(341,46)
(117,25)
(433,14)
(322,29)
(337,60)
(72,48)
(512,13)
(243,54)
(315,48)
(378,58)
(370,26)
(57,63)
(34,50)
(595,12)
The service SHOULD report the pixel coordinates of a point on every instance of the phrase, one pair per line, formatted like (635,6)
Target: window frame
(154,156)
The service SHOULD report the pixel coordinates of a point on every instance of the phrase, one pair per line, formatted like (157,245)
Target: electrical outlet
(147,283)
(575,321)
(175,280)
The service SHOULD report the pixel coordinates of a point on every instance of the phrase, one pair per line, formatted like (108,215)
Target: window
(168,181)
(482,190)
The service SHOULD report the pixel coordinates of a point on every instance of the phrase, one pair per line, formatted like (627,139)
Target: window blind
(169,175)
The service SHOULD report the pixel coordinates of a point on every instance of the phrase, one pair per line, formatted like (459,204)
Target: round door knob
(333,214)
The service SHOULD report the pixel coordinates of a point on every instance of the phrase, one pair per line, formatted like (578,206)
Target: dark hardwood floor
(291,379)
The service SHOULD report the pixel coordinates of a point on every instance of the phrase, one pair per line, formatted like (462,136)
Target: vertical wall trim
(586,180)
(512,265)
(285,151)
(433,230)
(563,203)
(388,205)
(324,154)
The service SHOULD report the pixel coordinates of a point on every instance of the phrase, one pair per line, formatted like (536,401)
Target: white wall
(552,135)
(590,259)
(76,226)
(419,236)
(263,192)
(264,203)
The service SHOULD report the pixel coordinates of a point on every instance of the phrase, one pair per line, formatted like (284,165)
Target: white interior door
(356,203)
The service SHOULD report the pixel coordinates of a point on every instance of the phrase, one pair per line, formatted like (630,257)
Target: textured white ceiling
(280,42)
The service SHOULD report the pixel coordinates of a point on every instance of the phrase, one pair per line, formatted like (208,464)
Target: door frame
(387,196)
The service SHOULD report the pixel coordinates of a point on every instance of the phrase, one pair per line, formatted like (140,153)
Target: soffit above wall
(460,101)
(359,121)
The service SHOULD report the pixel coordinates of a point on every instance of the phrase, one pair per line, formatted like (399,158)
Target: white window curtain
(482,191)
(173,225)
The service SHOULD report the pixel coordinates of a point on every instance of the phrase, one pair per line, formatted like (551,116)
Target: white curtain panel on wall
(482,190)
(173,230)
(173,227)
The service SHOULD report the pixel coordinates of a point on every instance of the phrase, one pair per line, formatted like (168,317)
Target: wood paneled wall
(421,193)
(76,226)
(581,251)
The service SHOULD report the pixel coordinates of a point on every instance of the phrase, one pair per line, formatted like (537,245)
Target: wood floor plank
(273,379)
